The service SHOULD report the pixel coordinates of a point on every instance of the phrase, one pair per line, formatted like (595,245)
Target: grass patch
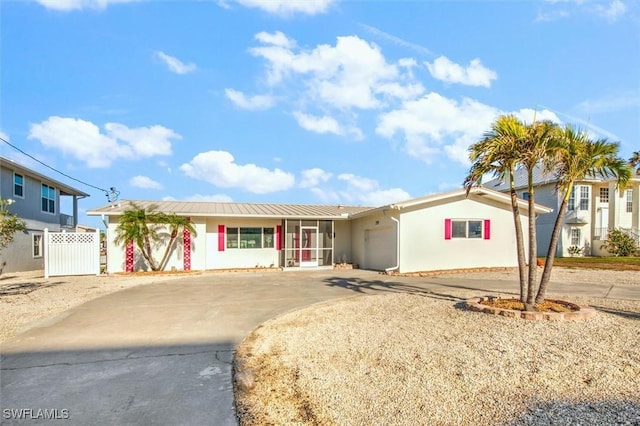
(614,263)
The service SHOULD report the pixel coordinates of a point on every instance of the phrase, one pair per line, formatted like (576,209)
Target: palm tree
(498,154)
(634,162)
(576,156)
(143,225)
(539,137)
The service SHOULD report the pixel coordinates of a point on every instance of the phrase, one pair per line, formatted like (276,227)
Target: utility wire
(56,170)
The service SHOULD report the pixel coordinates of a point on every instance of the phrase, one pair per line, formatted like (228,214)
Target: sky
(309,102)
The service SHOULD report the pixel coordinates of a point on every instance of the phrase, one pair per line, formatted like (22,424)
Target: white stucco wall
(116,253)
(342,241)
(424,247)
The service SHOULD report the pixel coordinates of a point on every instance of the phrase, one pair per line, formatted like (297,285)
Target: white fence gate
(71,253)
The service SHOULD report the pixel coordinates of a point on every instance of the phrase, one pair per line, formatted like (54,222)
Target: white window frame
(466,229)
(584,198)
(604,195)
(38,245)
(15,184)
(629,193)
(239,233)
(571,206)
(42,197)
(576,234)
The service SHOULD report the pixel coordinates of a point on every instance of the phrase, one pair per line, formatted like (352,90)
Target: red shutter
(220,237)
(447,229)
(278,241)
(487,229)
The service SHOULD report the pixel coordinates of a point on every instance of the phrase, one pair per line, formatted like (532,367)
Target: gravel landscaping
(415,359)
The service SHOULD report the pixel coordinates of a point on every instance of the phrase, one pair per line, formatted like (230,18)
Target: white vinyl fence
(71,253)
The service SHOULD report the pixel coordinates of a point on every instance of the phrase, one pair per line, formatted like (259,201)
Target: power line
(109,194)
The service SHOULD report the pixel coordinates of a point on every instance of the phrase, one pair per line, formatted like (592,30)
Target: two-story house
(36,199)
(594,207)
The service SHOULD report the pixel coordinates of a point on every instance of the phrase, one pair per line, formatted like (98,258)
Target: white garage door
(379,248)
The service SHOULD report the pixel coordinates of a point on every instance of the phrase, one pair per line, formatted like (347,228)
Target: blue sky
(318,101)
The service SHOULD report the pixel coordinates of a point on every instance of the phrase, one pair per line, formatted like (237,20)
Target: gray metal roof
(539,178)
(64,188)
(257,210)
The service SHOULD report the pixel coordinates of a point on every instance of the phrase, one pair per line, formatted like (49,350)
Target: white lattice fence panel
(72,253)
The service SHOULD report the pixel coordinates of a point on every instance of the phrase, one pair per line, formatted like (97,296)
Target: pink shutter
(129,257)
(447,229)
(278,241)
(220,237)
(487,229)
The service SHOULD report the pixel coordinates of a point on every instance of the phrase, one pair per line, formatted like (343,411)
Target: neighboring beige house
(35,198)
(442,231)
(595,206)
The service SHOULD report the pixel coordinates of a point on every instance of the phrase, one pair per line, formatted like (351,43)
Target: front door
(309,246)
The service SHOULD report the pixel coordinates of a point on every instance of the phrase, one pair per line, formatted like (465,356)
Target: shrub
(575,250)
(619,243)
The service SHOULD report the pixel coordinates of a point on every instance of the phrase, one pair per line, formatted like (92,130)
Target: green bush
(619,243)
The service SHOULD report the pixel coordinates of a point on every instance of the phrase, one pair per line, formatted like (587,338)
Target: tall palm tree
(498,154)
(143,226)
(539,137)
(576,156)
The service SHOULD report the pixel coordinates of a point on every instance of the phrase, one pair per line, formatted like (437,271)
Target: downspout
(397,265)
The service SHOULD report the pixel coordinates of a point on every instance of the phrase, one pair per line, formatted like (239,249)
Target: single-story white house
(442,231)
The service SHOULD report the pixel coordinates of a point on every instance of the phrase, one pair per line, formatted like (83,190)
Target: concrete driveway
(161,353)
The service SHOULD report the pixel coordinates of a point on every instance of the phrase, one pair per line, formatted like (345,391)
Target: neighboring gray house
(595,206)
(36,200)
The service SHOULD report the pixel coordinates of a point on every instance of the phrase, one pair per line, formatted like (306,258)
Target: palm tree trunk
(553,245)
(533,248)
(522,266)
(146,252)
(165,256)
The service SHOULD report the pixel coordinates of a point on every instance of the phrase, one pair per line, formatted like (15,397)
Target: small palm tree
(574,157)
(498,153)
(143,226)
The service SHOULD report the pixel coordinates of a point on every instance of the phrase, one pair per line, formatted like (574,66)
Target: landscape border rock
(582,314)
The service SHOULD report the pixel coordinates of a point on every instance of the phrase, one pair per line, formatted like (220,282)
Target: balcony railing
(603,233)
(66,220)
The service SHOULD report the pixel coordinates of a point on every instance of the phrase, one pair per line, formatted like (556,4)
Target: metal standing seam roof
(213,209)
(539,178)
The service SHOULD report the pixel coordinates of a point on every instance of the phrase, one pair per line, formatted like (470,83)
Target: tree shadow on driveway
(361,286)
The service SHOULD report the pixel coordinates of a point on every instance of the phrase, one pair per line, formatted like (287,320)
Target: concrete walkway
(161,353)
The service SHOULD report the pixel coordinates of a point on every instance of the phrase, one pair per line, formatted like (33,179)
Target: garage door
(379,248)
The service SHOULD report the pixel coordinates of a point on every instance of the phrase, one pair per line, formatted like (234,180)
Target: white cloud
(343,76)
(145,141)
(435,124)
(396,40)
(314,177)
(277,38)
(528,115)
(144,182)
(69,5)
(368,192)
(611,13)
(254,103)
(326,124)
(219,168)
(84,141)
(475,74)
(289,7)
(175,64)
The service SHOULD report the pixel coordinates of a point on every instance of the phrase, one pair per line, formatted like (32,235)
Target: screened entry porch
(308,243)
